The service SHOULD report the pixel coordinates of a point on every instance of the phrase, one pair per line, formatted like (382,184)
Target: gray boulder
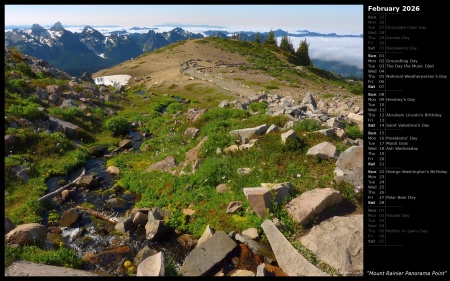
(208,254)
(288,258)
(28,269)
(152,266)
(338,242)
(311,203)
(324,150)
(26,234)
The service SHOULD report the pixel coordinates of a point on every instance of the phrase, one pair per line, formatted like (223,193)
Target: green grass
(259,107)
(274,61)
(60,257)
(353,131)
(269,160)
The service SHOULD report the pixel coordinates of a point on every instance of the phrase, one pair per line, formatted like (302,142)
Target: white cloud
(345,49)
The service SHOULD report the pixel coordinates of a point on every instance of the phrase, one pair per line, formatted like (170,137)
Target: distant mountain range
(281,33)
(90,50)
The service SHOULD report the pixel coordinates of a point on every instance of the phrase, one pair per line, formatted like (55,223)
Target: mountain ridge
(105,53)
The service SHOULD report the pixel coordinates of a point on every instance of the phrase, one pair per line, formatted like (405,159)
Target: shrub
(18,86)
(354,132)
(175,107)
(26,70)
(216,140)
(117,125)
(221,114)
(271,87)
(294,144)
(29,111)
(308,125)
(59,257)
(259,107)
(68,114)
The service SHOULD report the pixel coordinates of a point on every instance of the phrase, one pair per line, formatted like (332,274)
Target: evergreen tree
(286,44)
(270,39)
(257,38)
(302,56)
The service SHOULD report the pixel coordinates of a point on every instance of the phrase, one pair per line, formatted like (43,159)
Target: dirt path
(239,91)
(222,69)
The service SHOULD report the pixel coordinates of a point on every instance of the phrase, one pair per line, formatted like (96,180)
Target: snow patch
(112,80)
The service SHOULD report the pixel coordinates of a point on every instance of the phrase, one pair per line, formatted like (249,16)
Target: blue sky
(341,19)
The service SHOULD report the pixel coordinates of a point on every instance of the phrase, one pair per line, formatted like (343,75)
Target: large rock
(28,269)
(115,203)
(126,144)
(261,198)
(288,135)
(124,225)
(309,99)
(65,127)
(245,134)
(324,150)
(208,233)
(208,254)
(87,181)
(113,170)
(97,151)
(338,242)
(54,89)
(163,165)
(152,266)
(68,103)
(191,132)
(143,254)
(357,119)
(350,166)
(351,158)
(42,94)
(334,123)
(26,234)
(69,217)
(288,258)
(140,218)
(155,228)
(311,203)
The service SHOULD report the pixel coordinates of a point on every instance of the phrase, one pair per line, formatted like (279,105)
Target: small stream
(90,235)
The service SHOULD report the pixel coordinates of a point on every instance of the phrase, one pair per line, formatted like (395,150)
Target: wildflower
(132,269)
(127,264)
(298,175)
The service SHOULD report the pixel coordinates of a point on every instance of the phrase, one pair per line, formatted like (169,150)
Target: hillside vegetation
(158,102)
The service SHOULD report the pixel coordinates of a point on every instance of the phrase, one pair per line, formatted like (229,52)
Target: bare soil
(165,68)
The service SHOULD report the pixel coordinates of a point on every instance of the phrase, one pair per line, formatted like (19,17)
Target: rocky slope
(332,242)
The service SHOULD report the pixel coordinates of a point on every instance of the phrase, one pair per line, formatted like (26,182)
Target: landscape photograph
(184,140)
